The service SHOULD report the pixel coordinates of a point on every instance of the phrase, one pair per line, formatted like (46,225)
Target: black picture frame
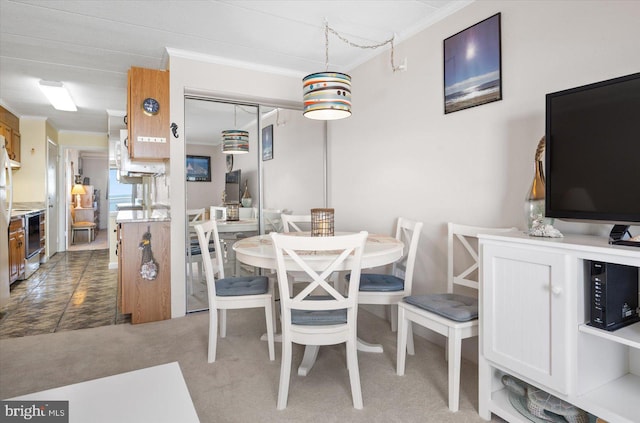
(267,143)
(473,66)
(198,168)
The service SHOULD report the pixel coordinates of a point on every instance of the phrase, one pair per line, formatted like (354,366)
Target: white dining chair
(217,212)
(232,293)
(193,250)
(319,314)
(295,222)
(273,219)
(450,314)
(389,289)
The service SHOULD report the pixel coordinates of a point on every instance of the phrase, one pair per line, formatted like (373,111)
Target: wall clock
(229,162)
(150,106)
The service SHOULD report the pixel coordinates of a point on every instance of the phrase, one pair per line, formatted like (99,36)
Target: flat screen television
(232,186)
(592,155)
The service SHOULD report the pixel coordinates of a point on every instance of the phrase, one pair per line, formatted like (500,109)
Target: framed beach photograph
(267,143)
(472,66)
(198,168)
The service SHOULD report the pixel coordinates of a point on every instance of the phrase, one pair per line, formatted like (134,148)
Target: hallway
(73,290)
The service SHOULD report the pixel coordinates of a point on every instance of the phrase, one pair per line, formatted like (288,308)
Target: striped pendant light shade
(235,141)
(327,95)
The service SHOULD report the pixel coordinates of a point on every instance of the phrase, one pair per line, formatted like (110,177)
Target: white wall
(399,155)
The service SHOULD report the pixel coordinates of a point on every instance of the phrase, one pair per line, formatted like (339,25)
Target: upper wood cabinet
(148,114)
(10,129)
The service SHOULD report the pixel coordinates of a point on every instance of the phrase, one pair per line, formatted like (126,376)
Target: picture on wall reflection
(472,66)
(198,168)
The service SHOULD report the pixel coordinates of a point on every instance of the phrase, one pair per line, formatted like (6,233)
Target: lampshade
(78,189)
(235,141)
(327,95)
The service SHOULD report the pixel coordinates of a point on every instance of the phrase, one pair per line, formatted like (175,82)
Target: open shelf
(628,335)
(616,401)
(501,406)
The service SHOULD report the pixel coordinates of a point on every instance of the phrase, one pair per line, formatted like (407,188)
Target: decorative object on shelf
(472,68)
(327,95)
(246,197)
(267,143)
(534,203)
(78,190)
(235,141)
(77,179)
(542,229)
(540,406)
(148,266)
(233,211)
(322,222)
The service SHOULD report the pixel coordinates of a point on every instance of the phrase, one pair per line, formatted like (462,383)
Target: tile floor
(73,290)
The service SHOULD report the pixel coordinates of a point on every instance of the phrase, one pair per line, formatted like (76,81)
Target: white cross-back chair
(217,212)
(452,315)
(193,250)
(232,293)
(389,289)
(295,222)
(273,219)
(319,314)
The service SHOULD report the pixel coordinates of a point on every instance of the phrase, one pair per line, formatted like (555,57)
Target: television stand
(620,235)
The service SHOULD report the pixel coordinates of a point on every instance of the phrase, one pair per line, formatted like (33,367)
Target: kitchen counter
(21,209)
(153,215)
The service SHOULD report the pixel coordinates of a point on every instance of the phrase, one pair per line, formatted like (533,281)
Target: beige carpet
(241,386)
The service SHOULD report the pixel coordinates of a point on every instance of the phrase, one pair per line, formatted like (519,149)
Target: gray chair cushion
(381,283)
(246,285)
(318,317)
(452,306)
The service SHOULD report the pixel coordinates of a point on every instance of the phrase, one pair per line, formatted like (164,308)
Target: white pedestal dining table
(379,250)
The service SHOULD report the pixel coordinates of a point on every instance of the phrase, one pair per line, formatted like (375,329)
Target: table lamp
(78,190)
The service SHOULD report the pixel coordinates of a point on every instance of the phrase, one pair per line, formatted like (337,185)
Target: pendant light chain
(328,29)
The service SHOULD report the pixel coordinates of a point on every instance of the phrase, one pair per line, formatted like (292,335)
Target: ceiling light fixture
(327,95)
(58,95)
(235,141)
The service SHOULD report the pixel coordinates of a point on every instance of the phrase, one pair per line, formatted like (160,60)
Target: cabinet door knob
(556,290)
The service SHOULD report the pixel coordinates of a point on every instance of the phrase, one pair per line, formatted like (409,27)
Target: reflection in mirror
(287,174)
(205,119)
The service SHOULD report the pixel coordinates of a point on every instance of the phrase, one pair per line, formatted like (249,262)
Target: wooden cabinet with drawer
(148,114)
(10,129)
(16,249)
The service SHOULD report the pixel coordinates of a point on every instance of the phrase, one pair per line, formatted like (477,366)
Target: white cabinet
(533,313)
(527,303)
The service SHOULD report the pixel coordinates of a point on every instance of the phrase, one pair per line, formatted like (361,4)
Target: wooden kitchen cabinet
(146,300)
(16,249)
(148,114)
(10,129)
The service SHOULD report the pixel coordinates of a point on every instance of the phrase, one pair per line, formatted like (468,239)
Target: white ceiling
(90,45)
